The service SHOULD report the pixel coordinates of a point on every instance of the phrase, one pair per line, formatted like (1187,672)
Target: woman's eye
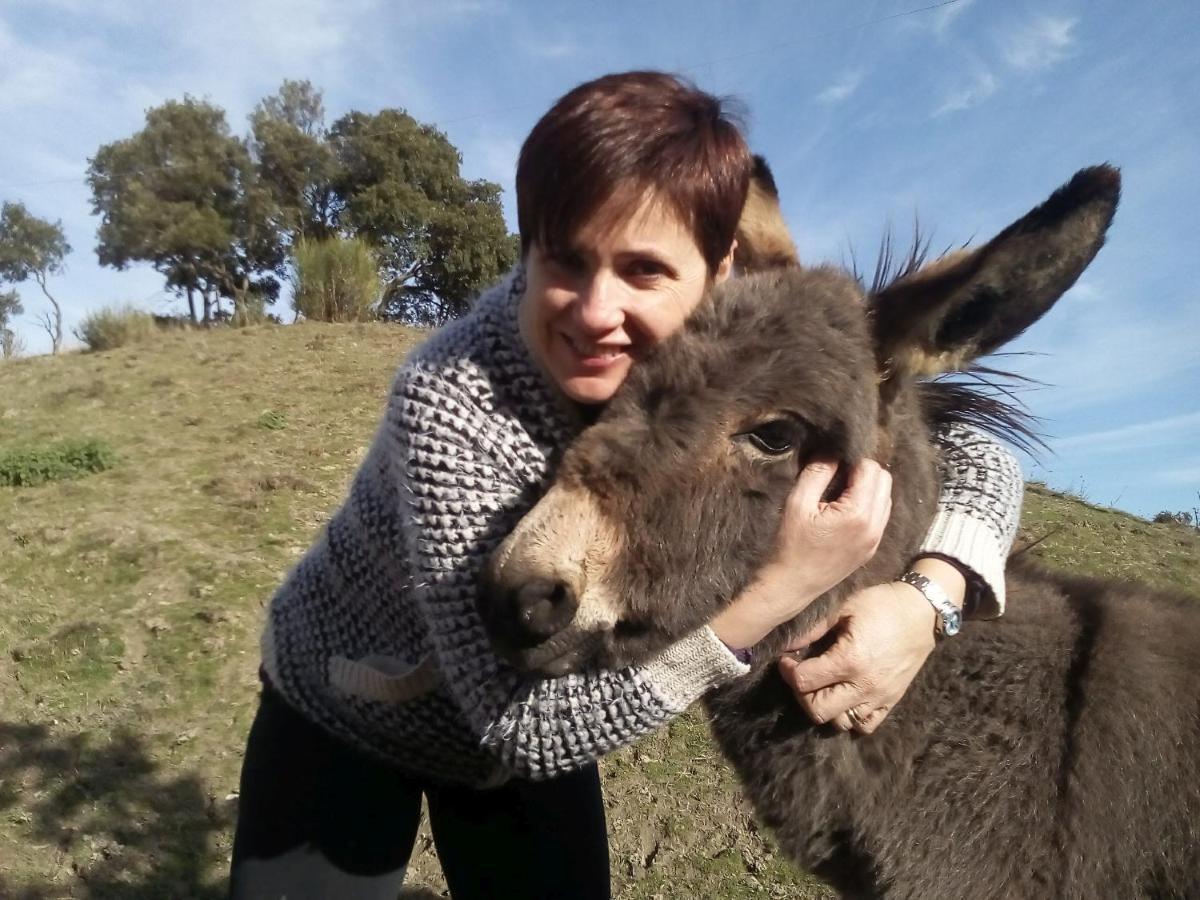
(644,268)
(774,438)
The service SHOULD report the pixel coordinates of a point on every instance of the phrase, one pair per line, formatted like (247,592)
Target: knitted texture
(979,509)
(374,635)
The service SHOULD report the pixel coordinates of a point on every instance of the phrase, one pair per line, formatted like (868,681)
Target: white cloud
(981,86)
(1168,430)
(33,77)
(1183,475)
(1097,353)
(1040,44)
(843,88)
(944,17)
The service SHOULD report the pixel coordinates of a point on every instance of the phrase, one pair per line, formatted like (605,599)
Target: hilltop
(132,601)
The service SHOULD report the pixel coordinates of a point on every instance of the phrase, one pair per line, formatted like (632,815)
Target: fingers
(814,633)
(845,706)
(812,482)
(861,719)
(808,675)
(863,508)
(830,704)
(867,486)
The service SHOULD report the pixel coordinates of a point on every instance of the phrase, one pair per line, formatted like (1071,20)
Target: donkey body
(1051,753)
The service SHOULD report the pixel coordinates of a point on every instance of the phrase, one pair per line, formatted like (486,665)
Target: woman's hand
(884,634)
(820,543)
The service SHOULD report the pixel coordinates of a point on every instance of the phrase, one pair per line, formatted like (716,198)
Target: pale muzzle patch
(566,537)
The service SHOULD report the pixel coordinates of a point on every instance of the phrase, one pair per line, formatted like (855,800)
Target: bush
(1166,517)
(115,326)
(32,465)
(335,280)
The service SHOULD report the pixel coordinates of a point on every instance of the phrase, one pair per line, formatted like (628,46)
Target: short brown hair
(635,132)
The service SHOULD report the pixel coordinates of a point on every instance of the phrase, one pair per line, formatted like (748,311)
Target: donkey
(1049,753)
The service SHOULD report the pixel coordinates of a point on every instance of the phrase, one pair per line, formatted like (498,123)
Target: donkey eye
(774,438)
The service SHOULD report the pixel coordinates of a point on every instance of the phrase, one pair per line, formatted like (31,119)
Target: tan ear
(963,306)
(763,240)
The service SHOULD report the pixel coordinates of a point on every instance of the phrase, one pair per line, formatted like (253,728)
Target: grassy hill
(131,601)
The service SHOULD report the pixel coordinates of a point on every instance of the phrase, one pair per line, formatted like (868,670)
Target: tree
(33,248)
(296,165)
(219,216)
(11,344)
(440,238)
(183,194)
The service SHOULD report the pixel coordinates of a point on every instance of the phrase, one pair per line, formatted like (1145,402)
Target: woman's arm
(979,510)
(887,632)
(454,491)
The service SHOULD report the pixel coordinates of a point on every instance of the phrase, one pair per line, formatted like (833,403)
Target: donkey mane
(989,404)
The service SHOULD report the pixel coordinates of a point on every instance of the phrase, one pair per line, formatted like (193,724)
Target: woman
(379,684)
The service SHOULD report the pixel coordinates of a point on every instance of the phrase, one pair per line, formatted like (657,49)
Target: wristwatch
(949,616)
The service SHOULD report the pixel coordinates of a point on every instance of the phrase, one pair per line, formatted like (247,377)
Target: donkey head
(665,508)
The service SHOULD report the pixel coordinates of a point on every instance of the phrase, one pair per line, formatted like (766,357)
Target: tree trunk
(191,302)
(53,329)
(208,304)
(239,298)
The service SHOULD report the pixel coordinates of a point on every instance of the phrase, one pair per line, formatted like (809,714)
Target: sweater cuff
(972,544)
(683,672)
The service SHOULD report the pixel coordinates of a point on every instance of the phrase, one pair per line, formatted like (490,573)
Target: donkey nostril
(545,607)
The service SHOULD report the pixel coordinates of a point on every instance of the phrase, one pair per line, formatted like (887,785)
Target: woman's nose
(598,307)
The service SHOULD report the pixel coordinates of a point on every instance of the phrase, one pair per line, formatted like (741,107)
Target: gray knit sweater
(374,635)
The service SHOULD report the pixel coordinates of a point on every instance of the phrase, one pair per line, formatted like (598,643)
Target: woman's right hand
(820,543)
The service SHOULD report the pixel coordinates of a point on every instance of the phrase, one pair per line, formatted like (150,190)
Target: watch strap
(949,616)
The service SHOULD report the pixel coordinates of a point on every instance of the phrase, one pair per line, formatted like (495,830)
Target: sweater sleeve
(457,500)
(978,512)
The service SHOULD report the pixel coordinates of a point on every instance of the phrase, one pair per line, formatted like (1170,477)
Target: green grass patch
(27,466)
(83,653)
(272,420)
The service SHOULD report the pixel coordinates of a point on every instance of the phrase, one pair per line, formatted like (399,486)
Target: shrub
(336,280)
(115,326)
(1166,517)
(31,465)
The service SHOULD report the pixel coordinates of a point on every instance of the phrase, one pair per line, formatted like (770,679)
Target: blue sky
(964,113)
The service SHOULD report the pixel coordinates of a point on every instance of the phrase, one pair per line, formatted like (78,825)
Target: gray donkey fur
(1050,753)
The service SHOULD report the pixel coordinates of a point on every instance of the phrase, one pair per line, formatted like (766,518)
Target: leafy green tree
(289,142)
(183,194)
(440,238)
(33,248)
(10,341)
(218,216)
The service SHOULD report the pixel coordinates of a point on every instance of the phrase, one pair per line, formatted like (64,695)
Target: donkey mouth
(565,653)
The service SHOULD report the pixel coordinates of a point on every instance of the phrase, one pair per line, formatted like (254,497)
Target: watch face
(952,623)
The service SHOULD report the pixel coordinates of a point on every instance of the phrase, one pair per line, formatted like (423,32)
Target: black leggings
(317,819)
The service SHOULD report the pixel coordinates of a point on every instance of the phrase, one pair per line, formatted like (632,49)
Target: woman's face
(619,287)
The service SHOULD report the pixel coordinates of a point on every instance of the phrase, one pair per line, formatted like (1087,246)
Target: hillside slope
(131,600)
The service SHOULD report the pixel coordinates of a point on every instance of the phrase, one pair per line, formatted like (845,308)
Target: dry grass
(132,601)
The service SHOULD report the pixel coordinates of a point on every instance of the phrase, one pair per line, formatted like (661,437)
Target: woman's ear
(725,266)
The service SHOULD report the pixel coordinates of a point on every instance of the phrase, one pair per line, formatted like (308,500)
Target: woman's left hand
(884,634)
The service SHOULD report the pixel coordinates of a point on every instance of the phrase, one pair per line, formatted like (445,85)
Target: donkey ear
(763,239)
(964,306)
